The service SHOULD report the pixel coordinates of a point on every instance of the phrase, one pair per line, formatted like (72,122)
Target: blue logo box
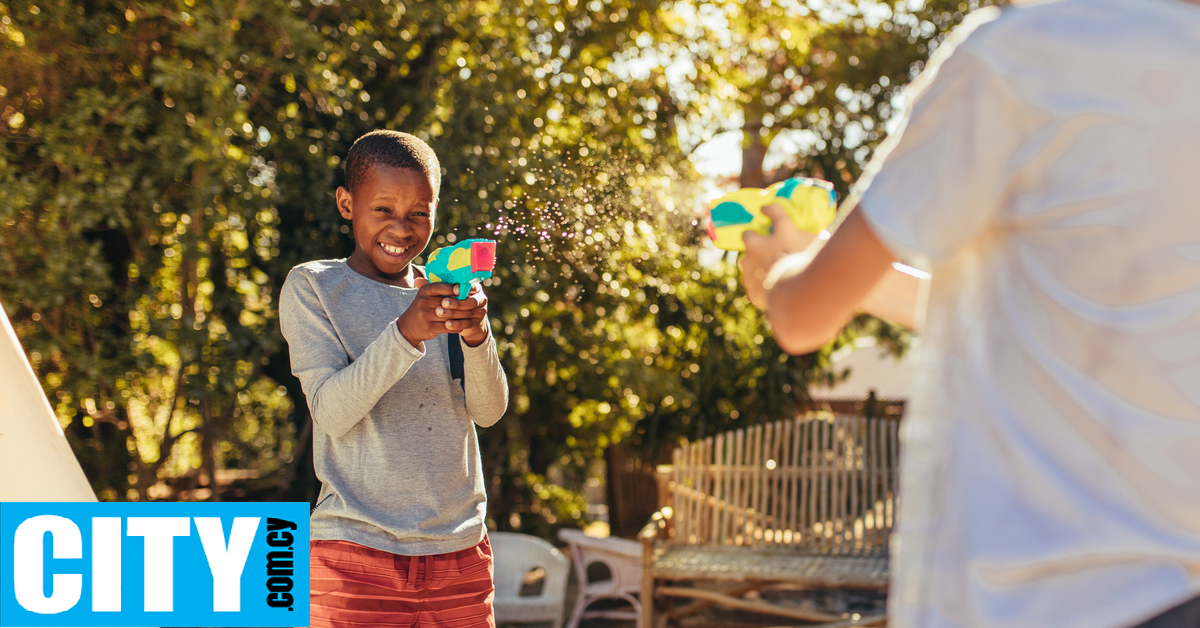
(154,564)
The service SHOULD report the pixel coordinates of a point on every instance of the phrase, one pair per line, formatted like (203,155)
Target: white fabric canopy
(36,463)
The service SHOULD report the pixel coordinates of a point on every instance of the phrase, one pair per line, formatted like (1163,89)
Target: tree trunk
(208,457)
(754,151)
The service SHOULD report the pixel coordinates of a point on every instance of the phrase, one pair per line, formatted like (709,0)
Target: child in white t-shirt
(1046,177)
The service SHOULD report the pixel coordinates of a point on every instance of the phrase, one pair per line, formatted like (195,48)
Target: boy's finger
(467,313)
(420,281)
(460,312)
(775,212)
(752,239)
(441,289)
(781,220)
(472,315)
(473,301)
(461,323)
(790,238)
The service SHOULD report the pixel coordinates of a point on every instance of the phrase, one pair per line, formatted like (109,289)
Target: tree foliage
(165,164)
(826,74)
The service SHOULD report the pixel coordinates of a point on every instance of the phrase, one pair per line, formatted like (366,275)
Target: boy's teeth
(394,250)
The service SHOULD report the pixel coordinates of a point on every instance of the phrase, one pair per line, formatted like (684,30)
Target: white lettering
(227,563)
(28,570)
(160,533)
(106,564)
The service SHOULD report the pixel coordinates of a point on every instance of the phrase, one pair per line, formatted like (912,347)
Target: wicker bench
(805,502)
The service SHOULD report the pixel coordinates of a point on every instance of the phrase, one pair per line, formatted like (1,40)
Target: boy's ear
(343,202)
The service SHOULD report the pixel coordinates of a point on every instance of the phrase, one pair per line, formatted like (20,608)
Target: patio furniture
(806,502)
(624,561)
(516,556)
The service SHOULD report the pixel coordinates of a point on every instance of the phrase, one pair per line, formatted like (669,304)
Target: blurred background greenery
(164,164)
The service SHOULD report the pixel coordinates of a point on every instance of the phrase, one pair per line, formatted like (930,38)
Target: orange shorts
(354,586)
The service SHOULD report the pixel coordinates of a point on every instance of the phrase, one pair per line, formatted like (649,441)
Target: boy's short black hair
(393,149)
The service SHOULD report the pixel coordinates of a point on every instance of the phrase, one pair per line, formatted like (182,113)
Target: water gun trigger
(810,203)
(463,264)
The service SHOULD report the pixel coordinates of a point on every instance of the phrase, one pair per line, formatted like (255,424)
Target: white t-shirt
(1049,177)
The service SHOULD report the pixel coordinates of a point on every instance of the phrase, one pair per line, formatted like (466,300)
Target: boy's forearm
(485,383)
(340,393)
(342,398)
(809,302)
(895,299)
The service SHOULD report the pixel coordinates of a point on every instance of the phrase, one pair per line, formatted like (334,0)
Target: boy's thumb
(775,212)
(419,281)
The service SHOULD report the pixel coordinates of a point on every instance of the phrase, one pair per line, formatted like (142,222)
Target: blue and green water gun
(811,204)
(465,263)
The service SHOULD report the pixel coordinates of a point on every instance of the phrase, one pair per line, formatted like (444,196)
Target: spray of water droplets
(577,213)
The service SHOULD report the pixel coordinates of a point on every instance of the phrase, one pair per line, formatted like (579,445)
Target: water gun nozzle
(483,255)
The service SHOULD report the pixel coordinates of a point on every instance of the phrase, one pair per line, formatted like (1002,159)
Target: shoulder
(996,31)
(317,271)
(1078,20)
(968,48)
(319,267)
(309,277)
(1006,48)
(1040,38)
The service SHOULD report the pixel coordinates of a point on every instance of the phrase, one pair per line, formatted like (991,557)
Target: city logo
(154,564)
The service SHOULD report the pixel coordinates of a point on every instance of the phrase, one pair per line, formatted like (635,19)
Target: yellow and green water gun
(811,204)
(465,263)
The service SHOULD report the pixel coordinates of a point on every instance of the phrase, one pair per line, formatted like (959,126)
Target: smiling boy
(397,373)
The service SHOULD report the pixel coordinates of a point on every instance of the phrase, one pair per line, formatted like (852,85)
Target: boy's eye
(383,209)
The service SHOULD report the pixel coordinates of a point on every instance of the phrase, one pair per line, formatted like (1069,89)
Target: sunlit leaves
(164,166)
(137,190)
(825,74)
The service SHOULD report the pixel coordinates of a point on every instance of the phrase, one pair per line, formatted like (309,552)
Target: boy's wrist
(417,343)
(474,341)
(788,266)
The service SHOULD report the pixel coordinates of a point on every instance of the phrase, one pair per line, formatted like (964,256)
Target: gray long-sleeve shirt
(394,441)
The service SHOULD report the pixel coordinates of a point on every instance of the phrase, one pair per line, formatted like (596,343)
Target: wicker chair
(803,502)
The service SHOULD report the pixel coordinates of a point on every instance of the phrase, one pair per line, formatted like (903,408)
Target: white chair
(624,561)
(515,556)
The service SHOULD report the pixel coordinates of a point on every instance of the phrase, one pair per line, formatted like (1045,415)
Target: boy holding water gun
(398,371)
(1046,178)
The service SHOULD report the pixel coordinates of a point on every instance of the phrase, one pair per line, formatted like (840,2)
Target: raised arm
(340,393)
(810,295)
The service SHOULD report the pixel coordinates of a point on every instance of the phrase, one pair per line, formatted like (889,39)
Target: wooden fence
(820,482)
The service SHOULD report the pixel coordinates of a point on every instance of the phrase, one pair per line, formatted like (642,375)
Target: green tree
(165,164)
(828,74)
(141,230)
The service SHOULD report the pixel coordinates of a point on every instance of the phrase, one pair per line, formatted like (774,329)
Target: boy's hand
(437,310)
(763,251)
(469,315)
